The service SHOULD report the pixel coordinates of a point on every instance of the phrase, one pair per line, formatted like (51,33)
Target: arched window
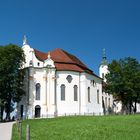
(109,102)
(38,64)
(106,102)
(37,91)
(98,96)
(62,92)
(31,63)
(88,94)
(75,93)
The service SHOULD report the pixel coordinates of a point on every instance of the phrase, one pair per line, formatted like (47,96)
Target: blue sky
(81,27)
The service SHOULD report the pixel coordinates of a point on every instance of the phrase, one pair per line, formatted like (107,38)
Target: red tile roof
(64,61)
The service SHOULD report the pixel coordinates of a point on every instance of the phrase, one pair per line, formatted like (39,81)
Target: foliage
(82,128)
(11,76)
(123,81)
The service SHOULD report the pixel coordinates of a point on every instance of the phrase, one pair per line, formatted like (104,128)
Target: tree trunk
(130,108)
(123,110)
(8,106)
(103,105)
(135,107)
(1,112)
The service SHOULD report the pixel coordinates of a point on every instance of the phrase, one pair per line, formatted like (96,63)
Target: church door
(37,111)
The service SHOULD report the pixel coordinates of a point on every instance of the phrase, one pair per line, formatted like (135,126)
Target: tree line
(123,80)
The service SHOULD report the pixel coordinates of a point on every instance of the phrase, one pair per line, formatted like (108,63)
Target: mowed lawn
(83,128)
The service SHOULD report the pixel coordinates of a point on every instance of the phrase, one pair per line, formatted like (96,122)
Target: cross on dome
(24,40)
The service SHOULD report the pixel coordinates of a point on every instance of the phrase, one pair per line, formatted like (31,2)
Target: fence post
(28,132)
(20,130)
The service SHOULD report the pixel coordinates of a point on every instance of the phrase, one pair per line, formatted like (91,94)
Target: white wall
(68,105)
(92,106)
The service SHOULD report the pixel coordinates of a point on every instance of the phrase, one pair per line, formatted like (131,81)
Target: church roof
(64,61)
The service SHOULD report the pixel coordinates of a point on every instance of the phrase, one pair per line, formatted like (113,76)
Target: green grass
(83,128)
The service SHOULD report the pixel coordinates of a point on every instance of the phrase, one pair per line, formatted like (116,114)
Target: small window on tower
(31,63)
(38,64)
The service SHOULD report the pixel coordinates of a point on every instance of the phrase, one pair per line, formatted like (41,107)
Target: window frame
(98,99)
(75,89)
(62,92)
(38,89)
(88,89)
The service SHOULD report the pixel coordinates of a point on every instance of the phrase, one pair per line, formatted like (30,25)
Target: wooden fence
(19,129)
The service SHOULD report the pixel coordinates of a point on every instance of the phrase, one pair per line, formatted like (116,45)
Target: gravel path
(6,130)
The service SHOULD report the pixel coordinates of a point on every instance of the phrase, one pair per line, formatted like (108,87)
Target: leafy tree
(123,81)
(11,77)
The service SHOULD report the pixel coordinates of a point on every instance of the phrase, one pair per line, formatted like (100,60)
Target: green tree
(123,81)
(11,77)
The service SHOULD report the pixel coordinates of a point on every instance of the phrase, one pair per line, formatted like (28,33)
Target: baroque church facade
(57,83)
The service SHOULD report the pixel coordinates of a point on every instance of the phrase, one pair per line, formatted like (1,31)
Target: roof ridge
(64,53)
(75,58)
(69,56)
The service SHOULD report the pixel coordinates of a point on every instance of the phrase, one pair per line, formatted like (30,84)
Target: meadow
(82,128)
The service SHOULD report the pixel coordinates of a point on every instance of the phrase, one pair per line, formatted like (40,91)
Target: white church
(57,83)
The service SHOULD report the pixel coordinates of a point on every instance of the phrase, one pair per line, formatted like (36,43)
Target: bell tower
(103,68)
